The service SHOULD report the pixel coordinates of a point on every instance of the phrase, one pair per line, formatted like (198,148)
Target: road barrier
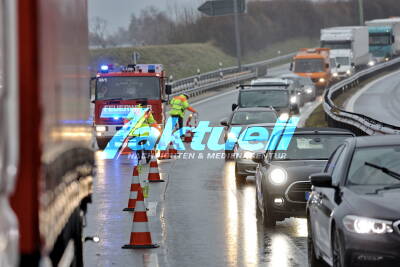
(198,84)
(358,123)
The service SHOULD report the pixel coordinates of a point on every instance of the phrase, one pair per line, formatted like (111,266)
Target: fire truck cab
(127,87)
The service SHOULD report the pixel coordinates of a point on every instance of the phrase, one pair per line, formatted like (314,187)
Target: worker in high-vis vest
(179,105)
(147,121)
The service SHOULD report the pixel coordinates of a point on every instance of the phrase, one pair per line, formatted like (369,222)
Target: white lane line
(152,209)
(213,97)
(351,103)
(150,260)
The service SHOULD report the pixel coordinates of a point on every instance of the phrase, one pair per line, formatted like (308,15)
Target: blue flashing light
(104,68)
(151,68)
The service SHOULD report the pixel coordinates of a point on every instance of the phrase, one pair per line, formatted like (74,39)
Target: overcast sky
(117,12)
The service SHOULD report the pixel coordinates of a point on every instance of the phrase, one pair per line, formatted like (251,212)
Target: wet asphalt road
(199,216)
(379,99)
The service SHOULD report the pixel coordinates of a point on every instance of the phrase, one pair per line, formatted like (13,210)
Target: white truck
(384,37)
(349,49)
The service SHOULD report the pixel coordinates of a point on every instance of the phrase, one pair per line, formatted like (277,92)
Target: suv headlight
(101,128)
(278,176)
(293,100)
(335,74)
(348,72)
(362,225)
(321,80)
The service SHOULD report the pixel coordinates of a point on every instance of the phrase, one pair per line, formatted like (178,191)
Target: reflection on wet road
(202,218)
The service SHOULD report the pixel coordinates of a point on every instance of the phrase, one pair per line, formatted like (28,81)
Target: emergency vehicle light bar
(144,68)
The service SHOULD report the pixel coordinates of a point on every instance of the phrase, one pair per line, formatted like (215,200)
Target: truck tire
(77,238)
(102,143)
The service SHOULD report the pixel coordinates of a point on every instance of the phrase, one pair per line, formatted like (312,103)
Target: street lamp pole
(361,11)
(237,35)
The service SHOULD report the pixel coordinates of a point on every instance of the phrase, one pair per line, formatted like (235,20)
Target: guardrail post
(221,73)
(197,78)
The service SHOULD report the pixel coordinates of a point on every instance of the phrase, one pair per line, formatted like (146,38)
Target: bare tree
(98,32)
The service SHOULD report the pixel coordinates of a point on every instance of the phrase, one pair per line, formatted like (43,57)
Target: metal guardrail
(358,123)
(198,84)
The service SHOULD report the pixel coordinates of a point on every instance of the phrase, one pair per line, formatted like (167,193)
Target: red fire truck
(46,138)
(127,87)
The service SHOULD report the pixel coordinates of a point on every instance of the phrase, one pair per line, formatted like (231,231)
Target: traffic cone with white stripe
(135,185)
(172,150)
(154,173)
(140,235)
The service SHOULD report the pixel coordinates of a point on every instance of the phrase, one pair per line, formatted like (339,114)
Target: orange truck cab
(313,63)
(127,87)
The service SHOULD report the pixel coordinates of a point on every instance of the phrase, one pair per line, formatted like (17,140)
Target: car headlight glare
(293,100)
(335,74)
(278,176)
(101,128)
(371,63)
(309,90)
(248,155)
(362,225)
(321,80)
(284,116)
(348,72)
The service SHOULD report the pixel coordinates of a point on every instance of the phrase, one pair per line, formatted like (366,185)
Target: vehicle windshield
(379,39)
(366,166)
(125,88)
(309,65)
(312,147)
(253,117)
(336,44)
(263,98)
(344,61)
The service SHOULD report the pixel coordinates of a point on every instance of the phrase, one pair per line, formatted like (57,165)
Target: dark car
(282,184)
(354,208)
(242,117)
(263,96)
(304,84)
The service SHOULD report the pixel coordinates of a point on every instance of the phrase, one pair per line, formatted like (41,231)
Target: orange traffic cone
(135,185)
(154,173)
(172,150)
(140,235)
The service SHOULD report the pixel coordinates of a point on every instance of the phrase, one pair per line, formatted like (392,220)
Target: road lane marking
(152,208)
(351,103)
(150,260)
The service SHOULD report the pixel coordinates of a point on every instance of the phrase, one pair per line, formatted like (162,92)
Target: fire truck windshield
(126,88)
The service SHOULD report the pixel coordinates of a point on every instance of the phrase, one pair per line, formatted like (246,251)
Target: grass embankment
(283,47)
(183,60)
(317,118)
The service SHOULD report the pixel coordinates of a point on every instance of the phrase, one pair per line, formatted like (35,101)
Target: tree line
(263,24)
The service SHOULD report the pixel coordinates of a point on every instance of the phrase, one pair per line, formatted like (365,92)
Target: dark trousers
(180,122)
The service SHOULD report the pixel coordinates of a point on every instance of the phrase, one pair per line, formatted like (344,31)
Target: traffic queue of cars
(347,187)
